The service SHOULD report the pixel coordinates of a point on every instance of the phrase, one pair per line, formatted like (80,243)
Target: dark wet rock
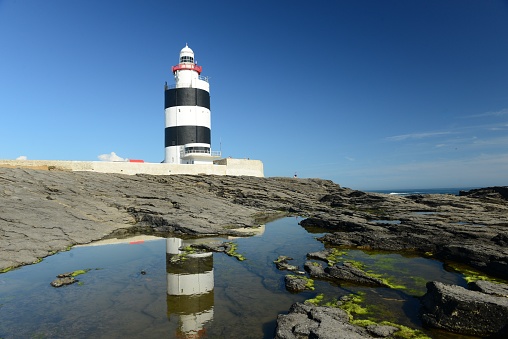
(63,281)
(309,321)
(213,247)
(498,290)
(501,239)
(316,270)
(497,192)
(349,273)
(381,331)
(296,284)
(321,255)
(456,309)
(341,273)
(65,275)
(282,264)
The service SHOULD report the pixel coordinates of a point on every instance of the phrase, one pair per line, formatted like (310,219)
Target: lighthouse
(187,114)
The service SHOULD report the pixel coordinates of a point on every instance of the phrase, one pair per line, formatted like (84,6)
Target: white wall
(234,167)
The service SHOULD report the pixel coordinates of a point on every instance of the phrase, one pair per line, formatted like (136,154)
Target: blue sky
(370,94)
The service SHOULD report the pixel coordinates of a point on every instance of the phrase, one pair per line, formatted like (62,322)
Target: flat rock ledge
(341,273)
(44,212)
(320,322)
(456,309)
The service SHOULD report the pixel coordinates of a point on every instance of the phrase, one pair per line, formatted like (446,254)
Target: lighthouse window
(197,150)
(186,58)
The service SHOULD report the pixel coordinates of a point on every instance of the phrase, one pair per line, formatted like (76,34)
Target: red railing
(187,66)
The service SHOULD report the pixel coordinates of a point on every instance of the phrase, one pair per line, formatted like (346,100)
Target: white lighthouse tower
(187,114)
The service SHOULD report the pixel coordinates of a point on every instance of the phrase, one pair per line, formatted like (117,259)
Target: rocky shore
(43,212)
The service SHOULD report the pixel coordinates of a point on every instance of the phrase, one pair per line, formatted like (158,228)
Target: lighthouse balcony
(198,152)
(192,67)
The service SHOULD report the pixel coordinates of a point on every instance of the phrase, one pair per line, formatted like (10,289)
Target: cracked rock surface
(43,212)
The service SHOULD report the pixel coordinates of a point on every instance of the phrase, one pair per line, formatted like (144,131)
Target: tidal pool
(139,290)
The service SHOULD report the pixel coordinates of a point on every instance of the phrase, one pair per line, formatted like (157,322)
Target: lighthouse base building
(187,136)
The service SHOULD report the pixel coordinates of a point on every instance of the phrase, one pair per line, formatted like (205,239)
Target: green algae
(470,275)
(281,258)
(79,272)
(388,281)
(233,253)
(335,256)
(7,269)
(406,332)
(188,250)
(352,305)
(403,332)
(316,300)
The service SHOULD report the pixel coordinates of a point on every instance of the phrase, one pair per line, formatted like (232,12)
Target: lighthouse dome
(186,55)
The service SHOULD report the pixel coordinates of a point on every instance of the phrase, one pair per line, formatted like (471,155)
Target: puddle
(425,213)
(393,222)
(463,223)
(139,288)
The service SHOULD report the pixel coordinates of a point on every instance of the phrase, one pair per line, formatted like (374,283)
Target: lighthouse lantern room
(187,114)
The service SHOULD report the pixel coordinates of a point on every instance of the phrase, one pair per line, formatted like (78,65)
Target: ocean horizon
(453,190)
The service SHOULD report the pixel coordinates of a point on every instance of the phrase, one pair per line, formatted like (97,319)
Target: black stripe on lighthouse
(186,97)
(181,135)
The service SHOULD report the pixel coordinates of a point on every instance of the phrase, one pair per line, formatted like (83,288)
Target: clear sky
(370,94)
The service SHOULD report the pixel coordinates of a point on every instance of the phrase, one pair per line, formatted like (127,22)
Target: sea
(453,191)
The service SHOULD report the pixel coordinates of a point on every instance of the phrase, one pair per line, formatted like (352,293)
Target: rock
(65,275)
(282,264)
(341,273)
(63,281)
(382,331)
(456,309)
(296,284)
(501,239)
(497,192)
(309,321)
(498,290)
(316,270)
(347,272)
(321,255)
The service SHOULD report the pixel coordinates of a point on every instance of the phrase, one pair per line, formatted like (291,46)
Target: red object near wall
(134,160)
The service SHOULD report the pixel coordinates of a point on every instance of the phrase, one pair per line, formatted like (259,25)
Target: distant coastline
(454,191)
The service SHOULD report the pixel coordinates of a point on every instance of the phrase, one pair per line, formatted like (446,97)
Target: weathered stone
(498,290)
(296,284)
(347,272)
(498,192)
(459,310)
(381,330)
(316,270)
(308,321)
(63,281)
(65,275)
(341,273)
(282,264)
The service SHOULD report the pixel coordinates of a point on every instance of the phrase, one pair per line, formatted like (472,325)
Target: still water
(139,290)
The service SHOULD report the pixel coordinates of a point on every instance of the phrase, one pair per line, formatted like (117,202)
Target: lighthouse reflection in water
(189,288)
